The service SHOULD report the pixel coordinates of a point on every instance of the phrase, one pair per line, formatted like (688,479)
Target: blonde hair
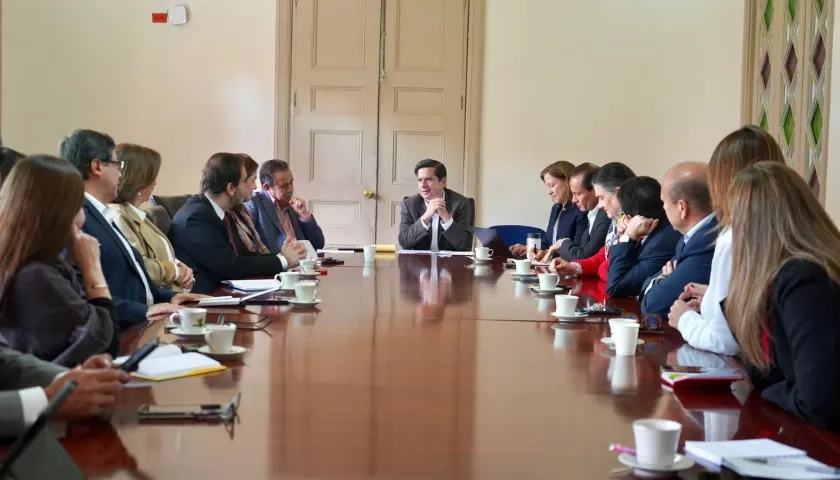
(141,169)
(737,151)
(775,219)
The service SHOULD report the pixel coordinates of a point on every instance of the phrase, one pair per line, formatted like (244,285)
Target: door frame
(474,86)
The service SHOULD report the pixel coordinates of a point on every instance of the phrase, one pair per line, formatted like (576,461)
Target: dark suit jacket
(573,223)
(201,241)
(19,371)
(123,279)
(45,313)
(632,262)
(264,214)
(590,242)
(804,339)
(413,236)
(694,264)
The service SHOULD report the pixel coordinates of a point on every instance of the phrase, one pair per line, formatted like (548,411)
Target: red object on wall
(159,17)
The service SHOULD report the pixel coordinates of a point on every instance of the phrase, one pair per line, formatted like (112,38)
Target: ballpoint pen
(614,447)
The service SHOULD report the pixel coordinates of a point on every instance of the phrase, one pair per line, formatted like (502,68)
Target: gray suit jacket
(19,371)
(459,237)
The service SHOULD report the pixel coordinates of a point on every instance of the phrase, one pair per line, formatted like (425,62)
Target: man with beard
(204,234)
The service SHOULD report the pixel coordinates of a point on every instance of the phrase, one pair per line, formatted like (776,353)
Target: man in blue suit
(688,206)
(277,213)
(648,241)
(135,296)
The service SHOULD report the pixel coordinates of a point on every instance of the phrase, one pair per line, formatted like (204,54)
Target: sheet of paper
(715,452)
(175,366)
(161,351)
(251,285)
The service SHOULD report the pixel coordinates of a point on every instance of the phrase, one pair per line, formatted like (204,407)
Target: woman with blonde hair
(697,314)
(139,178)
(566,221)
(782,305)
(244,224)
(44,309)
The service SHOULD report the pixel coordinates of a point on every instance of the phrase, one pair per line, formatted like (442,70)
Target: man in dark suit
(436,218)
(27,384)
(648,242)
(277,213)
(583,194)
(135,295)
(204,232)
(688,206)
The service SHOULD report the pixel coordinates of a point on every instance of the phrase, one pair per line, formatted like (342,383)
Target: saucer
(234,353)
(182,334)
(549,291)
(681,462)
(520,276)
(480,260)
(297,303)
(609,341)
(308,276)
(575,318)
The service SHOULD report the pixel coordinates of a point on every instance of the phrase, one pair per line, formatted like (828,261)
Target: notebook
(251,285)
(167,362)
(228,300)
(699,377)
(783,462)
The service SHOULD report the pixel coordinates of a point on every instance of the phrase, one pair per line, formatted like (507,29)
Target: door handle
(368,193)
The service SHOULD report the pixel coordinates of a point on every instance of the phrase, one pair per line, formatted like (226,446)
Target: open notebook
(167,362)
(700,377)
(761,458)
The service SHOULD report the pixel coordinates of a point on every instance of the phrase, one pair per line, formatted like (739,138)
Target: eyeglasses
(120,164)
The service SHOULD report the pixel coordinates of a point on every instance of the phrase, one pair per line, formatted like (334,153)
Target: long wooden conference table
(424,367)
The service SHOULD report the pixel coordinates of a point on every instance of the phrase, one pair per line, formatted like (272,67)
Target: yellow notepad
(386,248)
(171,363)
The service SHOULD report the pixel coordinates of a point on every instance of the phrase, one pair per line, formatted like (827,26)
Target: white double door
(377,85)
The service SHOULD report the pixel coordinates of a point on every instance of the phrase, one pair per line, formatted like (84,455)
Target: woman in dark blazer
(565,222)
(785,287)
(44,310)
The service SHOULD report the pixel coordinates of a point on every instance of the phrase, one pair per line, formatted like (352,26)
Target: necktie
(286,223)
(229,229)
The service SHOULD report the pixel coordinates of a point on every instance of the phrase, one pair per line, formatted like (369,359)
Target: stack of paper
(167,362)
(251,285)
(761,458)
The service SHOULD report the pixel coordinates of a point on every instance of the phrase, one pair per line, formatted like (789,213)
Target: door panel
(421,110)
(335,65)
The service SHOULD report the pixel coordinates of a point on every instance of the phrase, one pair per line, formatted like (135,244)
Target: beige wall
(647,82)
(186,91)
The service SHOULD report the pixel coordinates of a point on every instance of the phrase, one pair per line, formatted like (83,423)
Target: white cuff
(448,224)
(424,224)
(283,261)
(578,269)
(33,401)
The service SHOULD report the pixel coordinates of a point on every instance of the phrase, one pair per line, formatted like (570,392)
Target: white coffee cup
(548,281)
(565,305)
(305,291)
(523,267)
(483,253)
(308,266)
(191,319)
(656,441)
(620,320)
(370,253)
(624,335)
(287,279)
(220,337)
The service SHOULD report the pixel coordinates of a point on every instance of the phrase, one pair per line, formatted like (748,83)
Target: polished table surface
(423,367)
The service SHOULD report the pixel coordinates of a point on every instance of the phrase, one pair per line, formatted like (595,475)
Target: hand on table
(96,393)
(546,255)
(518,250)
(182,298)
(160,309)
(562,267)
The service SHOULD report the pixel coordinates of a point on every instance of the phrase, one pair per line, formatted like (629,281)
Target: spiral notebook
(763,458)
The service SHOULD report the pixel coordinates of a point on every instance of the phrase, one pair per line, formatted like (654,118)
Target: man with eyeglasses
(277,213)
(135,296)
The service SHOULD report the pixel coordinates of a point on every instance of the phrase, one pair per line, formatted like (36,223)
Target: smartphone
(529,280)
(603,311)
(133,361)
(178,412)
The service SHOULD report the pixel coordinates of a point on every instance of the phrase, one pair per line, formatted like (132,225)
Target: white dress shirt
(709,330)
(591,216)
(170,255)
(221,214)
(33,401)
(435,226)
(110,215)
